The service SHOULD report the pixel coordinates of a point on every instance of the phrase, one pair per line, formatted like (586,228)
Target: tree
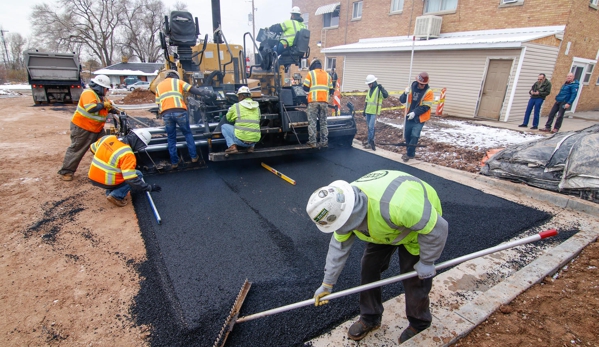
(88,24)
(16,43)
(141,26)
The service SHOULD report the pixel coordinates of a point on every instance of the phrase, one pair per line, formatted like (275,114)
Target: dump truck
(223,68)
(54,77)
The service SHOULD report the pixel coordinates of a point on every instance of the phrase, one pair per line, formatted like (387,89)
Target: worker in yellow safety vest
(391,211)
(113,165)
(173,110)
(288,29)
(243,127)
(419,98)
(372,107)
(87,124)
(318,85)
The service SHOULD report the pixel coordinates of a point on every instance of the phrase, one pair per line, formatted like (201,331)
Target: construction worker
(319,86)
(288,29)
(173,110)
(87,124)
(419,98)
(372,107)
(243,129)
(391,211)
(113,166)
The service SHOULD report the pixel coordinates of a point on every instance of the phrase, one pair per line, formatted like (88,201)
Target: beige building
(486,53)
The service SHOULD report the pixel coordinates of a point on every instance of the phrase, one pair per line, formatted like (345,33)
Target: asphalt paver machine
(223,68)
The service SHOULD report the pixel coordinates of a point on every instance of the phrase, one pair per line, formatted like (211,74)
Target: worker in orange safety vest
(419,98)
(318,85)
(87,124)
(114,163)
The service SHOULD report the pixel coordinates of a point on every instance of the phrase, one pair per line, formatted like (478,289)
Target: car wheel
(131,89)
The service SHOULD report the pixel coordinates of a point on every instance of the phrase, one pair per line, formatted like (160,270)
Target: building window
(331,63)
(357,14)
(588,73)
(306,17)
(440,5)
(396,5)
(331,19)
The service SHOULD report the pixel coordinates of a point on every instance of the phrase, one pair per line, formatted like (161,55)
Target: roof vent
(508,1)
(428,27)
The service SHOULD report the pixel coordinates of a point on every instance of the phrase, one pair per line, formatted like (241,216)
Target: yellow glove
(108,105)
(324,290)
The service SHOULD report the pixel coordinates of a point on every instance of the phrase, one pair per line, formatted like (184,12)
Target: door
(582,72)
(495,88)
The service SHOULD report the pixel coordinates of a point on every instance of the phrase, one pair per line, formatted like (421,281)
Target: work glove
(324,290)
(155,188)
(407,91)
(411,115)
(108,105)
(425,270)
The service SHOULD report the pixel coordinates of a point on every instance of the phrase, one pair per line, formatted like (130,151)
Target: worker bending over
(113,165)
(243,129)
(419,98)
(87,124)
(391,211)
(318,85)
(173,110)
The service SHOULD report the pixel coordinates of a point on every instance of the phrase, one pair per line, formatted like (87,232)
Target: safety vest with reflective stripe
(374,101)
(113,162)
(400,206)
(169,94)
(290,28)
(90,121)
(319,82)
(427,100)
(246,116)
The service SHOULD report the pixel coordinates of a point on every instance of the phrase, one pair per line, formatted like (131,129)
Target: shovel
(230,322)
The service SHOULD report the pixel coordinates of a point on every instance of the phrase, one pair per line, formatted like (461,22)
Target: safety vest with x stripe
(319,82)
(290,28)
(113,162)
(400,206)
(169,94)
(83,118)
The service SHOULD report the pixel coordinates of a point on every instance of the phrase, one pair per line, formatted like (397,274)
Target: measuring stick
(158,219)
(278,174)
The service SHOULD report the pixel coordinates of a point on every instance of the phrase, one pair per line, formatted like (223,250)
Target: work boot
(406,158)
(534,128)
(555,130)
(545,130)
(232,149)
(372,146)
(407,334)
(367,145)
(119,203)
(251,149)
(195,160)
(324,145)
(311,145)
(360,329)
(522,126)
(66,177)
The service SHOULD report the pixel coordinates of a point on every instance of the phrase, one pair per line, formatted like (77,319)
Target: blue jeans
(412,134)
(228,131)
(536,103)
(370,121)
(171,120)
(121,192)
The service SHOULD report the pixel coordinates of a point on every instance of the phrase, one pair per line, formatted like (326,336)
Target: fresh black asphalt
(236,220)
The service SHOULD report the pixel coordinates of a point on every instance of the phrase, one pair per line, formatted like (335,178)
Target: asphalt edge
(450,326)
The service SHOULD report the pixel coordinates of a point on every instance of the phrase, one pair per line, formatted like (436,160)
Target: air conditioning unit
(503,2)
(428,27)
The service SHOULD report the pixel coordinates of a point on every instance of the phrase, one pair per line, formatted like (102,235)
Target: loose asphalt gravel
(236,220)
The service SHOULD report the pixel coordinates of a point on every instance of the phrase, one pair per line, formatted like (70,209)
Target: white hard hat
(295,10)
(330,207)
(244,90)
(102,80)
(370,79)
(167,72)
(143,135)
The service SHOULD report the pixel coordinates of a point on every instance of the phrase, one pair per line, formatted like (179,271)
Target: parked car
(130,80)
(139,85)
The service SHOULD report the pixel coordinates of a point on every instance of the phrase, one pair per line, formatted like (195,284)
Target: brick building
(486,53)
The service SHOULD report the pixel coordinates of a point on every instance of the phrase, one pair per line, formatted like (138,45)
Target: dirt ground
(70,258)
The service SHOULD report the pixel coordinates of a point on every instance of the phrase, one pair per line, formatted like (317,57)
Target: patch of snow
(467,135)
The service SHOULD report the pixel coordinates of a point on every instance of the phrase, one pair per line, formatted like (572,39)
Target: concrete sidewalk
(469,293)
(572,122)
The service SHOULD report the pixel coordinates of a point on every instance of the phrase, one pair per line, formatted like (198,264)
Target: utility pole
(253,21)
(5,48)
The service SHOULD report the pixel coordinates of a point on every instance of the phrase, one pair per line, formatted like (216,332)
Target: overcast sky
(234,15)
